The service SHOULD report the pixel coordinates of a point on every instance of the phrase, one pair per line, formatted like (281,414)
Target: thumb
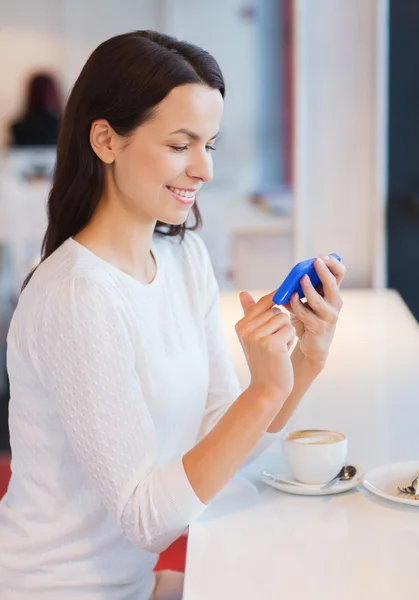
(246,301)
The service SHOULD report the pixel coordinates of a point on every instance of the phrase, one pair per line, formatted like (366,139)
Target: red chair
(4,473)
(173,558)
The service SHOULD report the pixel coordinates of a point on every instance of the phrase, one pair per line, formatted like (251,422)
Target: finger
(274,324)
(327,278)
(316,310)
(285,335)
(315,301)
(252,322)
(261,306)
(287,307)
(303,312)
(330,288)
(246,301)
(336,266)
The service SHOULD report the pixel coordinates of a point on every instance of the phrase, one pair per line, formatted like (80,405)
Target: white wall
(221,28)
(340,134)
(85,24)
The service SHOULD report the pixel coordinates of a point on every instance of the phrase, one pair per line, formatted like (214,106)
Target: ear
(102,140)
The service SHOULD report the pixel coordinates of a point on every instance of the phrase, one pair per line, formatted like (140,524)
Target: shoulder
(186,255)
(65,312)
(189,263)
(196,245)
(193,250)
(72,267)
(65,289)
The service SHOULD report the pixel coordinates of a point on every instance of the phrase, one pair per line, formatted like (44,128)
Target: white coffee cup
(315,456)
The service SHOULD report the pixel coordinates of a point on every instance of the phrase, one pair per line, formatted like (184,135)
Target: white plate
(383,481)
(307,490)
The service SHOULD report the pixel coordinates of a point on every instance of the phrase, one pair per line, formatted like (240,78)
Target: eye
(179,148)
(208,148)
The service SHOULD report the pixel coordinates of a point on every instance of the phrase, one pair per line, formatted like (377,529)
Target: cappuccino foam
(316,437)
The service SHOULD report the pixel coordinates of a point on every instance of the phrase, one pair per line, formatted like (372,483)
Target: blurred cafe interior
(318,151)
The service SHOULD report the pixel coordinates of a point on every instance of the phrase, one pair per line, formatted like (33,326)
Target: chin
(176,219)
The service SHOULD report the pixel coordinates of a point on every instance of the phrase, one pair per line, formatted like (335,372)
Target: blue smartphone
(291,283)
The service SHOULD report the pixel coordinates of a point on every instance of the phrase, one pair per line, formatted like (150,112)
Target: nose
(201,168)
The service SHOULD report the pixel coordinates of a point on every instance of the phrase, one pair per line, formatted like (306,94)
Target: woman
(126,417)
(40,123)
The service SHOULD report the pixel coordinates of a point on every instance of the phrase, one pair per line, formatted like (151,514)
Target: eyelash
(183,148)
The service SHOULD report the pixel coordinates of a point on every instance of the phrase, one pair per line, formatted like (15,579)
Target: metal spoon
(283,480)
(345,474)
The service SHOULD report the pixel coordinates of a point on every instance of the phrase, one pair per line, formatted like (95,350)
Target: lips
(182,199)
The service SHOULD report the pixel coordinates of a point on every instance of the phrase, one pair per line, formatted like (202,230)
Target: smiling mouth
(183,196)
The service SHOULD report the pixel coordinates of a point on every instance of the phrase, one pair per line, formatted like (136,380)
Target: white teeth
(183,193)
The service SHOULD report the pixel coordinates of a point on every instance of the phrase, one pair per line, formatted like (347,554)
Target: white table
(256,543)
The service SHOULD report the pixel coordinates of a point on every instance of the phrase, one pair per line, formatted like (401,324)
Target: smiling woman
(126,417)
(123,143)
(148,169)
(134,148)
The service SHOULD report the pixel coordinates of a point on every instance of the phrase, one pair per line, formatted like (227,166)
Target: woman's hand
(266,335)
(315,321)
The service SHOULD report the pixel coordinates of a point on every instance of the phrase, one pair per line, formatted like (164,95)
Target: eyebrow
(192,135)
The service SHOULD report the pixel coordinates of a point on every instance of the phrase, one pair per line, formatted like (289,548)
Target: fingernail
(306,279)
(320,262)
(325,257)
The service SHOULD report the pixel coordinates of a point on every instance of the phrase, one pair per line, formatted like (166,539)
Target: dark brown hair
(43,95)
(123,81)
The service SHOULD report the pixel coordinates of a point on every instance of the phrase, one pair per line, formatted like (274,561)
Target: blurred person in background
(126,416)
(40,122)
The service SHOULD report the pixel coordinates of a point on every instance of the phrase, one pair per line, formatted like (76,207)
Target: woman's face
(168,158)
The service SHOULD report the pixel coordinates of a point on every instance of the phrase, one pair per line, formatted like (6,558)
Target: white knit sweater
(112,382)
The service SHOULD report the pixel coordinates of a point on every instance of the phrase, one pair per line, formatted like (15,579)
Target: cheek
(169,167)
(146,170)
(133,171)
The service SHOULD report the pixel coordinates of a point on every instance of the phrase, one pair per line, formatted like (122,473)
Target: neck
(120,239)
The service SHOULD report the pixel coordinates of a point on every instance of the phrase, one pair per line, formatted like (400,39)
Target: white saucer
(383,481)
(312,490)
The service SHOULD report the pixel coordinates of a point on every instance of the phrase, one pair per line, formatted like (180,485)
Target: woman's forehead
(193,107)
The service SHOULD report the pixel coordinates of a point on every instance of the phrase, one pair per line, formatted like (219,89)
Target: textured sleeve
(224,387)
(83,354)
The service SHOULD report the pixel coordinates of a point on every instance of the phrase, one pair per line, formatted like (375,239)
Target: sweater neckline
(122,274)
